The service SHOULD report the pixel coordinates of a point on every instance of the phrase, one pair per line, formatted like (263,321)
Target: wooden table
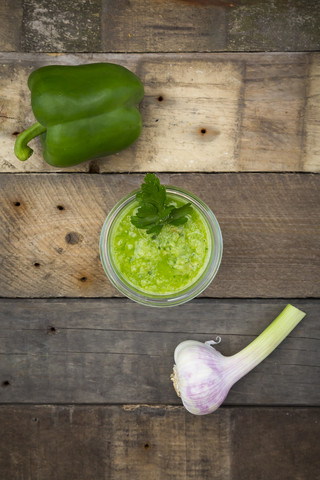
(231,112)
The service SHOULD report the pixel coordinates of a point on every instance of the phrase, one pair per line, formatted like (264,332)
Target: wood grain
(311,146)
(115,351)
(201,112)
(149,443)
(11,12)
(279,25)
(55,26)
(102,359)
(164,26)
(50,228)
(159,25)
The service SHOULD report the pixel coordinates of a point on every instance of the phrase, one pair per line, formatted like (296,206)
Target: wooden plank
(10,25)
(125,442)
(51,224)
(201,112)
(210,25)
(71,26)
(274,26)
(312,120)
(276,121)
(161,25)
(115,351)
(164,26)
(263,439)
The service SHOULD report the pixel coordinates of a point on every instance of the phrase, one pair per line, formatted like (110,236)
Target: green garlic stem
(248,358)
(21,149)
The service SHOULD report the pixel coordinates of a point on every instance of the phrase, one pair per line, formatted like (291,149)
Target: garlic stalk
(202,376)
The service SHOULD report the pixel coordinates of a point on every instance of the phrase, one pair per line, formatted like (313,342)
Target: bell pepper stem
(21,149)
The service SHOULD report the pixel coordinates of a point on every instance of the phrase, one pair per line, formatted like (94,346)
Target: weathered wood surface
(50,228)
(115,351)
(210,25)
(150,443)
(159,25)
(201,112)
(10,25)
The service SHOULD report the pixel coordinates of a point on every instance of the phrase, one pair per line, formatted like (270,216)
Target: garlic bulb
(202,376)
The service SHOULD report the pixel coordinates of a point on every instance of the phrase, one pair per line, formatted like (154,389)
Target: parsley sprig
(154,211)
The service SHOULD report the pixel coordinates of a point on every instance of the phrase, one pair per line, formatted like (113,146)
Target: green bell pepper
(82,112)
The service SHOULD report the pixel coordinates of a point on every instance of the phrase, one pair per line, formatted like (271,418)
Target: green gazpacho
(165,263)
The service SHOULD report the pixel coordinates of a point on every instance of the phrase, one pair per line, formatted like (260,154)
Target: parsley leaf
(154,211)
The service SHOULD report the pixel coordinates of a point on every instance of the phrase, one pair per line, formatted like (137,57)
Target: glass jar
(168,299)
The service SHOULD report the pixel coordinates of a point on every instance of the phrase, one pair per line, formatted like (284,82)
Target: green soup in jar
(167,263)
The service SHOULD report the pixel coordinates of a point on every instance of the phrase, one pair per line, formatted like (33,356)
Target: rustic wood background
(232,112)
(205,112)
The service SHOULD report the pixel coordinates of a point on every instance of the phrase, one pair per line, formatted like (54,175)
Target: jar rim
(176,298)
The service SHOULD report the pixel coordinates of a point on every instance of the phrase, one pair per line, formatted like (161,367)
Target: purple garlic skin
(201,376)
